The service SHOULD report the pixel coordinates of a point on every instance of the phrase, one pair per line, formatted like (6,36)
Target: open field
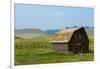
(38,50)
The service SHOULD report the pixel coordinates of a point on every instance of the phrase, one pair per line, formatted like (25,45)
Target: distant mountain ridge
(32,32)
(51,31)
(89,30)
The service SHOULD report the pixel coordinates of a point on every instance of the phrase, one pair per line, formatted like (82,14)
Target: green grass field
(38,50)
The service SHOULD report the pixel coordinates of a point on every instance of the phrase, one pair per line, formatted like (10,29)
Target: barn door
(75,47)
(78,47)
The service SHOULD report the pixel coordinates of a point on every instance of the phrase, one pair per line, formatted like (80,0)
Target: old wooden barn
(73,40)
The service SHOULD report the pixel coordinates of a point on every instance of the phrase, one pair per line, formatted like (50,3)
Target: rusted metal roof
(64,35)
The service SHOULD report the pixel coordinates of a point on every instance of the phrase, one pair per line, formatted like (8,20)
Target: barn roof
(64,35)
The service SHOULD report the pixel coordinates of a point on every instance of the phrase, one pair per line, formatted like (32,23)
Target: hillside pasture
(38,50)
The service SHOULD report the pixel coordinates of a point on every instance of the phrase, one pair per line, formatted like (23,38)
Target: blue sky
(52,17)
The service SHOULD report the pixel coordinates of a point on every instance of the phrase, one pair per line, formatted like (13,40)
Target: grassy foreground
(39,51)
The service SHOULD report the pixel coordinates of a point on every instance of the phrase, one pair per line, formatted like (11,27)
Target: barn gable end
(79,35)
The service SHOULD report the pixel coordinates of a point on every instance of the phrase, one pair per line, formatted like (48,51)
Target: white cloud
(59,13)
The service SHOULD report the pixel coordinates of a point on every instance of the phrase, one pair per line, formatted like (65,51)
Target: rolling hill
(28,33)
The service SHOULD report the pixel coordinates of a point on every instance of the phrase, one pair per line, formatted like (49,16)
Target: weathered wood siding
(60,47)
(79,42)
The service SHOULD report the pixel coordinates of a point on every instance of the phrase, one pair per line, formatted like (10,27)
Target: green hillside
(38,50)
